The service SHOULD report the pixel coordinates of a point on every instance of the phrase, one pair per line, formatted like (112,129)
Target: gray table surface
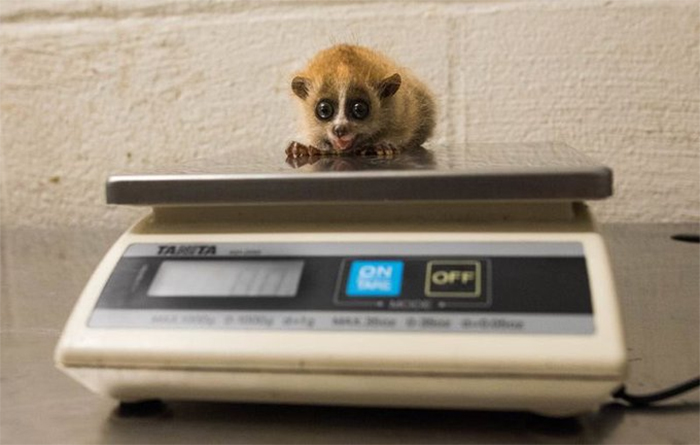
(44,271)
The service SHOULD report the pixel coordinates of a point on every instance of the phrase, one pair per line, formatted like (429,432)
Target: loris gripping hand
(357,101)
(298,150)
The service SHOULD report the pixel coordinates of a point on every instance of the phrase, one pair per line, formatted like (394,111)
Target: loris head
(346,93)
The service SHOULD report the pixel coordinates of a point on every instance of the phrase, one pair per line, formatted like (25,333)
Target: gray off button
(453,279)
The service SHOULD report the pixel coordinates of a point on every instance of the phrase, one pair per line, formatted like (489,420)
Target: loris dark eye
(359,109)
(324,110)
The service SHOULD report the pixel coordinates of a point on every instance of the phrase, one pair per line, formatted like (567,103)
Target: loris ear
(389,86)
(301,86)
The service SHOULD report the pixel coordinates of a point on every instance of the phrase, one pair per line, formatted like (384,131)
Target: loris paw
(384,149)
(298,150)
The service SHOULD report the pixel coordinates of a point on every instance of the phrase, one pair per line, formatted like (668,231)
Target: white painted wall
(91,88)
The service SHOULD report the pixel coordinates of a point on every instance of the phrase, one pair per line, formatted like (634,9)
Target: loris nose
(340,130)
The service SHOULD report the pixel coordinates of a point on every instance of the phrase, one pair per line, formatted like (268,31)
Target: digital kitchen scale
(470,278)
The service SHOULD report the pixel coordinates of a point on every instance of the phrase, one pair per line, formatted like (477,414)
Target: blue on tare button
(375,279)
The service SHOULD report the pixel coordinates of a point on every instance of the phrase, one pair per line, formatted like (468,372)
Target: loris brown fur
(355,99)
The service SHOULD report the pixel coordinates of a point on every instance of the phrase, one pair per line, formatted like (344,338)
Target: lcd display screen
(231,278)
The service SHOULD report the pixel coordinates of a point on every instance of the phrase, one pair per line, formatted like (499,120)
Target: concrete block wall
(89,88)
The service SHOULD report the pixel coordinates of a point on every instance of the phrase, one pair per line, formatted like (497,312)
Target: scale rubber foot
(142,408)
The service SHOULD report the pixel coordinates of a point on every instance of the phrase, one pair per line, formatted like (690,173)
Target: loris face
(344,117)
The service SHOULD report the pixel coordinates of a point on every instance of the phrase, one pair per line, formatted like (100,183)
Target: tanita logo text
(187,250)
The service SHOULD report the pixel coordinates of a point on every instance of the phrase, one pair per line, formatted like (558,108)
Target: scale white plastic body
(456,303)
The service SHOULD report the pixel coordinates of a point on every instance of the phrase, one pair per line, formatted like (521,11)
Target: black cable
(648,399)
(687,237)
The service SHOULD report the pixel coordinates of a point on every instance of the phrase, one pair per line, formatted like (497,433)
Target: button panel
(428,283)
